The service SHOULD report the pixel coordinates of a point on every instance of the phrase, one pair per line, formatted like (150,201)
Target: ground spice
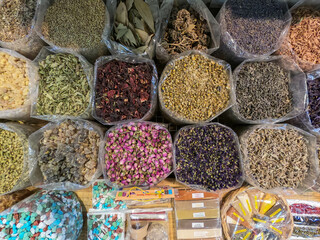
(9,200)
(186,30)
(75,23)
(208,157)
(63,87)
(306,232)
(255,25)
(262,91)
(14,82)
(16,19)
(195,88)
(313,109)
(123,91)
(287,162)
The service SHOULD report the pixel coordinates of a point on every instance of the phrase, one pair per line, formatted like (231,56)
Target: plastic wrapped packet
(15,170)
(199,7)
(88,70)
(225,92)
(64,155)
(23,112)
(126,99)
(130,162)
(297,89)
(194,145)
(44,215)
(91,53)
(282,173)
(28,45)
(9,200)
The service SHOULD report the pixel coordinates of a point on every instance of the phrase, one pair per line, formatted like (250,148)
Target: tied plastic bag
(297,89)
(88,70)
(132,80)
(23,112)
(10,168)
(44,215)
(203,11)
(64,155)
(28,45)
(115,47)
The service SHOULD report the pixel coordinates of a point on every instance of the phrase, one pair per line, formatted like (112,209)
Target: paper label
(197,225)
(198,205)
(197,195)
(200,234)
(199,214)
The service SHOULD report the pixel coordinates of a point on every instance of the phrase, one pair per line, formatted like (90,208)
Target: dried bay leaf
(140,49)
(129,35)
(138,23)
(122,14)
(145,12)
(129,4)
(142,34)
(120,33)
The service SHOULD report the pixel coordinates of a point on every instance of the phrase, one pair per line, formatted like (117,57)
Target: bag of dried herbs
(195,88)
(279,157)
(63,88)
(73,25)
(186,25)
(268,90)
(125,89)
(132,27)
(17,85)
(252,28)
(207,157)
(64,155)
(14,157)
(17,22)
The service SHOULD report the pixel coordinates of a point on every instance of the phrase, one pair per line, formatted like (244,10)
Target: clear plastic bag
(29,45)
(44,215)
(62,152)
(133,60)
(198,6)
(89,53)
(88,69)
(173,117)
(116,48)
(23,131)
(23,112)
(312,172)
(204,187)
(297,87)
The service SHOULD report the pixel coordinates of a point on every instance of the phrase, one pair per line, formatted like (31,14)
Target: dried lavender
(314,102)
(207,156)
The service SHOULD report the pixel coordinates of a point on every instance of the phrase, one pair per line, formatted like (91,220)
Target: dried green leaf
(122,13)
(142,34)
(129,35)
(138,23)
(121,26)
(145,12)
(129,4)
(121,32)
(149,40)
(140,50)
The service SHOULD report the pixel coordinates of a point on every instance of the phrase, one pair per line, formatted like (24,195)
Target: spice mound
(313,109)
(277,158)
(186,30)
(263,91)
(195,88)
(14,82)
(63,88)
(69,153)
(123,91)
(207,157)
(255,25)
(11,159)
(16,19)
(138,154)
(75,23)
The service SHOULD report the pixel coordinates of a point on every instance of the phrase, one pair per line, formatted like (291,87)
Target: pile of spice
(63,87)
(255,25)
(276,158)
(313,109)
(16,19)
(69,153)
(263,91)
(44,215)
(75,23)
(186,30)
(134,25)
(195,88)
(123,91)
(9,200)
(208,157)
(138,154)
(14,82)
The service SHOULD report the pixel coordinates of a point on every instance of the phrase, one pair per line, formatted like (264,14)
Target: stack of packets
(197,215)
(306,217)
